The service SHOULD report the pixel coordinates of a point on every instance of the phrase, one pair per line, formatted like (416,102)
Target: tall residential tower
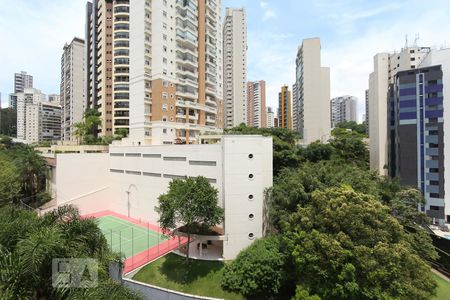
(235,66)
(284,108)
(72,88)
(256,104)
(313,93)
(343,109)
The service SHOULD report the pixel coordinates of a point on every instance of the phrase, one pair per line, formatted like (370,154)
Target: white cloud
(268,13)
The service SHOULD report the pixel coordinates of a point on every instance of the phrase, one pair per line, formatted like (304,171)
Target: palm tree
(28,244)
(80,131)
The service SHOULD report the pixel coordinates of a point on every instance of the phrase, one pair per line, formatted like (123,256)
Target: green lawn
(201,278)
(443,291)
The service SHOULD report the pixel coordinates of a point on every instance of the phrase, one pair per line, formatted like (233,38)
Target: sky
(33,34)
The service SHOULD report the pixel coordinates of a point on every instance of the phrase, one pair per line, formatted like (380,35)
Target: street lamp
(128,197)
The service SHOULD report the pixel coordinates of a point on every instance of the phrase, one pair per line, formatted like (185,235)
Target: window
(251,216)
(251,235)
(434,195)
(164,95)
(164,26)
(164,106)
(250,156)
(165,131)
(432,207)
(164,60)
(250,176)
(434,182)
(165,48)
(164,14)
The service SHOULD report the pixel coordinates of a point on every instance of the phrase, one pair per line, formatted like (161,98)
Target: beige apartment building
(312,93)
(386,66)
(168,87)
(256,104)
(235,64)
(99,60)
(72,88)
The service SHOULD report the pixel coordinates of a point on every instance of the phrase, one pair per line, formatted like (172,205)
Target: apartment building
(270,118)
(72,88)
(366,116)
(386,66)
(313,96)
(235,63)
(22,81)
(55,98)
(37,119)
(420,119)
(256,104)
(295,109)
(100,58)
(284,108)
(343,109)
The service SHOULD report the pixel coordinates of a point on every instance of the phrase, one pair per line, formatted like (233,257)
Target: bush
(257,271)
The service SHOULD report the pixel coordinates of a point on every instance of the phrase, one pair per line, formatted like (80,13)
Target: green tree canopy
(9,181)
(347,245)
(258,271)
(28,244)
(8,122)
(191,203)
(359,128)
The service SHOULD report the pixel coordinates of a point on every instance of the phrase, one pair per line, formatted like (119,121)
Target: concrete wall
(97,182)
(151,292)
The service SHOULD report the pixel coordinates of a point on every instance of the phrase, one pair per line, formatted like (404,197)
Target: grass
(200,278)
(443,290)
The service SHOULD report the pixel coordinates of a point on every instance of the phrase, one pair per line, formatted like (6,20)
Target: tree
(359,128)
(349,146)
(28,244)
(9,181)
(347,245)
(32,169)
(192,203)
(8,122)
(258,271)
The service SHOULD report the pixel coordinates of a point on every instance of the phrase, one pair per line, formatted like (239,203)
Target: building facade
(366,116)
(54,98)
(270,118)
(386,66)
(99,60)
(313,95)
(235,67)
(295,109)
(420,119)
(240,167)
(343,109)
(284,108)
(256,104)
(37,119)
(72,87)
(22,81)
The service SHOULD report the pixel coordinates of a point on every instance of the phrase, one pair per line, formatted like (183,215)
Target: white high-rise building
(54,98)
(235,66)
(175,70)
(313,84)
(270,117)
(72,87)
(343,109)
(22,81)
(295,109)
(37,119)
(386,66)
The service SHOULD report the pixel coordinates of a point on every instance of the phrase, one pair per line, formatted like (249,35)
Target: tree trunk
(188,245)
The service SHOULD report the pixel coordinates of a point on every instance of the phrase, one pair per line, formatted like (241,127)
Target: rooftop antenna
(406,40)
(416,39)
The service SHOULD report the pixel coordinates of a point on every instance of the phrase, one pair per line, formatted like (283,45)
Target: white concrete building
(343,109)
(270,117)
(235,66)
(240,167)
(72,87)
(386,66)
(29,97)
(22,81)
(37,119)
(313,84)
(54,98)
